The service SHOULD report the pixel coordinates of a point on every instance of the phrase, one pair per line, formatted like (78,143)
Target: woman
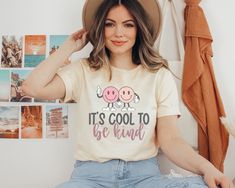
(124,91)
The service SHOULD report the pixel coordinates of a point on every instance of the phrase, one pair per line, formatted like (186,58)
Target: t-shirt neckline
(125,70)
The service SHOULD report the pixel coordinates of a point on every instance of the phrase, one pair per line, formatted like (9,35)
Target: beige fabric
(108,127)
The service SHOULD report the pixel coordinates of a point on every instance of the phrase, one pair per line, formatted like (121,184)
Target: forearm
(47,69)
(178,151)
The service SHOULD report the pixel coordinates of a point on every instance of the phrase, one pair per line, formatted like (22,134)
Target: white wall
(47,162)
(220,17)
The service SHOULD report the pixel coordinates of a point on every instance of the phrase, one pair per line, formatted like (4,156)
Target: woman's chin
(119,50)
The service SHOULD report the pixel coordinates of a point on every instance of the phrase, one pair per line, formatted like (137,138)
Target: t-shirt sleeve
(166,94)
(71,75)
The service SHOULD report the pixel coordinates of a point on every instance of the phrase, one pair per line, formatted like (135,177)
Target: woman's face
(120,30)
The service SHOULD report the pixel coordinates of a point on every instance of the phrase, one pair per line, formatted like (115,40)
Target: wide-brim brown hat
(151,7)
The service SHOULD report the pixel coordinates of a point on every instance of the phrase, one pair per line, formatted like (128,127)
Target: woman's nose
(119,31)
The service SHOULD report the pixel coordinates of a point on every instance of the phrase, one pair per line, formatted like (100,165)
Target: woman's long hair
(143,51)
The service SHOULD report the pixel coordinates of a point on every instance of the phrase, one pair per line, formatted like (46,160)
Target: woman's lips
(118,43)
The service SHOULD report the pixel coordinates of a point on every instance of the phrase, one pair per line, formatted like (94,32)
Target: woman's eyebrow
(129,21)
(108,19)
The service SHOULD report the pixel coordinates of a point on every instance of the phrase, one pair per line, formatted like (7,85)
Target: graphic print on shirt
(118,98)
(119,116)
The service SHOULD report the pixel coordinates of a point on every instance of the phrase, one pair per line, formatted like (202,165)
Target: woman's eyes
(129,25)
(110,24)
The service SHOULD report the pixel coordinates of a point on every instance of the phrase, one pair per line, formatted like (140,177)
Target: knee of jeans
(197,180)
(184,182)
(179,185)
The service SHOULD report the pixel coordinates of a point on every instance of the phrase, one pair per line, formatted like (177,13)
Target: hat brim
(152,7)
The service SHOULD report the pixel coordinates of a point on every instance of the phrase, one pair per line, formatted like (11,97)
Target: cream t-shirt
(116,119)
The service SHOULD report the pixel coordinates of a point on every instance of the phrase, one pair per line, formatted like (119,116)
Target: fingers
(79,34)
(225,182)
(79,31)
(84,37)
(211,183)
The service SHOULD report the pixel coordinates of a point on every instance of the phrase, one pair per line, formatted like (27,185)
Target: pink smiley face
(110,94)
(126,94)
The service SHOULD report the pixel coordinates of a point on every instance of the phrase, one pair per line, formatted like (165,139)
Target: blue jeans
(122,174)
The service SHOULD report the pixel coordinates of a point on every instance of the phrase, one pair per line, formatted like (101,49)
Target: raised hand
(76,41)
